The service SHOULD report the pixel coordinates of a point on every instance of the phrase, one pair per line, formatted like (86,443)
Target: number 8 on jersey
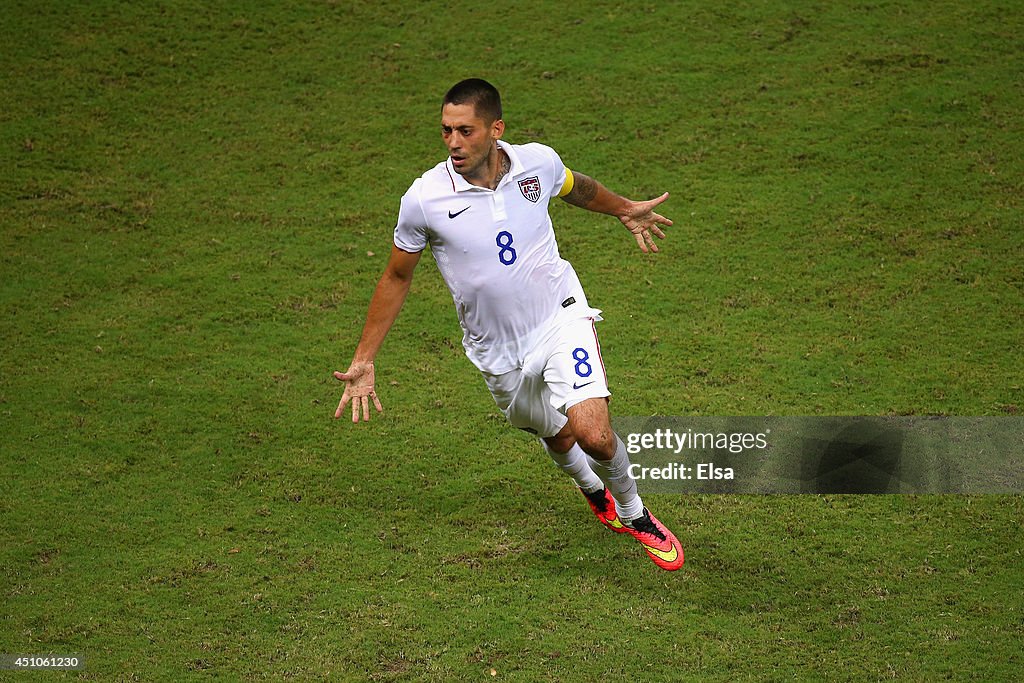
(506,254)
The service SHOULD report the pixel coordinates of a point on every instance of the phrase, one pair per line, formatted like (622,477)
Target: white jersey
(496,251)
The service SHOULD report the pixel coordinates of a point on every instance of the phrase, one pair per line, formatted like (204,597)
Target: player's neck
(498,165)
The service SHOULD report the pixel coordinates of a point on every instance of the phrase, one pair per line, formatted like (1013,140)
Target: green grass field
(196,200)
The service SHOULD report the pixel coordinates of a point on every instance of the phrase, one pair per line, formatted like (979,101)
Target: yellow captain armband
(567,185)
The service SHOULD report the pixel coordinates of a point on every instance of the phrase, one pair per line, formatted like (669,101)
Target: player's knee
(560,443)
(598,441)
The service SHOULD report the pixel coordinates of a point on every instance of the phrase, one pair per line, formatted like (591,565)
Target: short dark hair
(476,91)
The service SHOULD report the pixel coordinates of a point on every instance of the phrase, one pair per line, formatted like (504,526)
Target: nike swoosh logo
(453,215)
(616,524)
(664,555)
(580,386)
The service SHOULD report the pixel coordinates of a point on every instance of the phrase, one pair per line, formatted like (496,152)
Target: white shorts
(563,369)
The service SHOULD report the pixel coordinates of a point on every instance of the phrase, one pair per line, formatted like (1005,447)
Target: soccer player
(527,325)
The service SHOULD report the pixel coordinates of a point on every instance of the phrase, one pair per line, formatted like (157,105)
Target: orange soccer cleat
(603,505)
(661,544)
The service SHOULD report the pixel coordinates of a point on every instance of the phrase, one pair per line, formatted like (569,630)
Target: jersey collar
(462,185)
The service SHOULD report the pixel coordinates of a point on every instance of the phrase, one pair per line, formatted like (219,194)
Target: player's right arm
(387,301)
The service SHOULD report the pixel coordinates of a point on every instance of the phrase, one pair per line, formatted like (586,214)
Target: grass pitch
(195,204)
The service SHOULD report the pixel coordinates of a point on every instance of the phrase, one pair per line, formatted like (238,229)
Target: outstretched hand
(359,389)
(641,220)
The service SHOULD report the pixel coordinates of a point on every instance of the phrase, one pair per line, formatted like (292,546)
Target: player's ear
(498,129)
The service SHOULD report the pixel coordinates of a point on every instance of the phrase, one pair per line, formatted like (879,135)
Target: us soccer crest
(530,187)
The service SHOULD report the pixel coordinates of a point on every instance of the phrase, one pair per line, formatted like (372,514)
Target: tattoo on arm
(583,191)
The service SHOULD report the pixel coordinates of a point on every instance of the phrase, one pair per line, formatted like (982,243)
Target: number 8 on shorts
(583,368)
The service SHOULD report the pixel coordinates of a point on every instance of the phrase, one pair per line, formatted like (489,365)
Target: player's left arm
(638,217)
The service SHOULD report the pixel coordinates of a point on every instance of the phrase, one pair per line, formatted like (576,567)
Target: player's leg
(575,374)
(525,400)
(579,384)
(572,372)
(590,423)
(571,459)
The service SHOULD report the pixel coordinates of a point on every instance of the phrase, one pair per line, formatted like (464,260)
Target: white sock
(615,474)
(574,463)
